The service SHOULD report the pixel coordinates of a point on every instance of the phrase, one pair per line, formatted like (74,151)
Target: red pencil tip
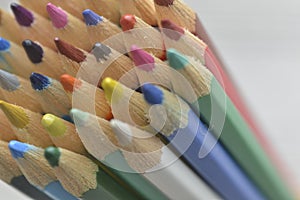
(171,30)
(164,2)
(58,16)
(127,22)
(69,82)
(70,51)
(142,59)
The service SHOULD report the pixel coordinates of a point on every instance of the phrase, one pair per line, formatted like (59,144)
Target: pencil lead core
(54,125)
(69,50)
(58,16)
(91,18)
(79,117)
(15,114)
(176,59)
(110,86)
(164,2)
(172,30)
(9,81)
(152,94)
(23,16)
(39,81)
(18,149)
(33,50)
(69,82)
(4,44)
(142,59)
(52,155)
(101,51)
(127,22)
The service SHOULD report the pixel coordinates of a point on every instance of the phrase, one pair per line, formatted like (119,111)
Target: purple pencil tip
(23,16)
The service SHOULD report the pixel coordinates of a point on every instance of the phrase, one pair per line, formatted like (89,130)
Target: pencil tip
(127,22)
(171,30)
(79,117)
(152,94)
(69,50)
(23,16)
(58,16)
(18,149)
(176,60)
(142,59)
(39,81)
(122,131)
(4,44)
(9,81)
(110,86)
(91,18)
(164,2)
(15,114)
(101,51)
(52,155)
(69,83)
(33,50)
(54,125)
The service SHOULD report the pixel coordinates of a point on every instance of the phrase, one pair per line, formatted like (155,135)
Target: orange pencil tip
(69,82)
(127,22)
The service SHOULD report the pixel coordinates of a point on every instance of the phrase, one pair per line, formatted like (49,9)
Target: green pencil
(226,122)
(98,143)
(82,177)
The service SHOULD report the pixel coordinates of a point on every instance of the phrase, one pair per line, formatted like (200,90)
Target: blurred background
(259,42)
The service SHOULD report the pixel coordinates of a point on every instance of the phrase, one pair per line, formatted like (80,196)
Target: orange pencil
(86,97)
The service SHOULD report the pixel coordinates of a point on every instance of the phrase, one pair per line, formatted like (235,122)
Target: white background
(259,41)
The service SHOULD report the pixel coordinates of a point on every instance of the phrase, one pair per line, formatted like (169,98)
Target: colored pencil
(26,125)
(14,60)
(36,169)
(174,116)
(18,90)
(63,133)
(68,27)
(103,61)
(88,180)
(99,145)
(74,7)
(33,26)
(7,132)
(86,97)
(102,30)
(176,11)
(233,131)
(136,31)
(11,174)
(52,96)
(46,60)
(108,9)
(171,175)
(186,43)
(143,9)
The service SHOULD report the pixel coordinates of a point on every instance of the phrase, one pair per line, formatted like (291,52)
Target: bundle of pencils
(122,100)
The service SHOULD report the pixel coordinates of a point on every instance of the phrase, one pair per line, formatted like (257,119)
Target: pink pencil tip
(142,59)
(58,16)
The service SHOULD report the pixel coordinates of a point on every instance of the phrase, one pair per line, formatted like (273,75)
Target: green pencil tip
(52,154)
(176,60)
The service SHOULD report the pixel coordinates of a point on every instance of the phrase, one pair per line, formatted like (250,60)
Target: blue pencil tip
(4,44)
(68,118)
(152,94)
(39,81)
(18,149)
(176,60)
(91,18)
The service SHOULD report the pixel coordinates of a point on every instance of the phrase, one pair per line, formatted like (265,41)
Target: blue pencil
(217,168)
(36,169)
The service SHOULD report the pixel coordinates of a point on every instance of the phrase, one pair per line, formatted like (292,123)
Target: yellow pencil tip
(54,125)
(15,114)
(110,86)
